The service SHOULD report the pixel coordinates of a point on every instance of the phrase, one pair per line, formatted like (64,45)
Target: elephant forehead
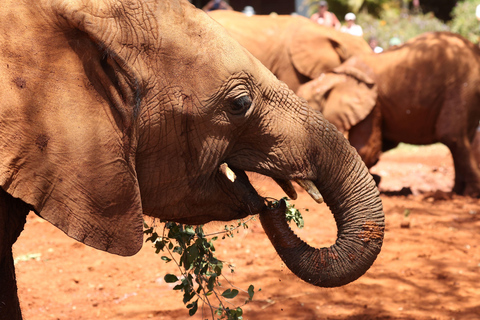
(216,56)
(199,53)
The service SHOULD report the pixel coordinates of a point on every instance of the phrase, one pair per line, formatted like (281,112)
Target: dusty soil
(428,269)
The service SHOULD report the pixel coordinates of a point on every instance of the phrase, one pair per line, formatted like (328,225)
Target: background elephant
(294,48)
(115,109)
(476,145)
(426,91)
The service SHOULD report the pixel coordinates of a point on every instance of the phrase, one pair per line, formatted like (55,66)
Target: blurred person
(248,11)
(373,43)
(416,7)
(216,5)
(351,27)
(325,17)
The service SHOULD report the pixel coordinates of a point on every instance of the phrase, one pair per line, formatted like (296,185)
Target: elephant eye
(240,105)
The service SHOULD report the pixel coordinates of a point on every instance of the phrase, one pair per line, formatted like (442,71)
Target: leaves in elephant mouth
(193,252)
(291,214)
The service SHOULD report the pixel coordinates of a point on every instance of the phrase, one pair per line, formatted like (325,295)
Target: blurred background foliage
(464,21)
(386,19)
(393,23)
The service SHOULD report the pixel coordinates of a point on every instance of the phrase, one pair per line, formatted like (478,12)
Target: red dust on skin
(371,231)
(42,142)
(20,82)
(327,255)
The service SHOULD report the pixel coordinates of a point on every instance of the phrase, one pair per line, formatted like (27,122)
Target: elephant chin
(238,188)
(237,185)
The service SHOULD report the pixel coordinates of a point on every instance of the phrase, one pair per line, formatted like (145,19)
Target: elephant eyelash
(241,105)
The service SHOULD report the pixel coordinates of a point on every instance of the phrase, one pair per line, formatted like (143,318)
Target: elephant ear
(313,51)
(316,91)
(345,96)
(68,134)
(352,100)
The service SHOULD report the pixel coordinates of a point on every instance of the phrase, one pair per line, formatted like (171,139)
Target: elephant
(476,145)
(294,48)
(423,92)
(115,109)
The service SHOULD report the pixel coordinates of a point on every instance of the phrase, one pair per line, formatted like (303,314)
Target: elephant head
(114,109)
(315,49)
(347,97)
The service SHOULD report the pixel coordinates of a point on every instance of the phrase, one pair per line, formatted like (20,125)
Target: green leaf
(152,238)
(160,245)
(239,312)
(189,230)
(193,254)
(251,291)
(165,258)
(234,314)
(293,214)
(170,278)
(27,257)
(211,282)
(178,250)
(188,295)
(149,230)
(194,308)
(230,293)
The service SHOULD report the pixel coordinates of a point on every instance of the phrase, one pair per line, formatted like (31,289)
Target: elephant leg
(9,304)
(366,137)
(13,213)
(467,171)
(455,127)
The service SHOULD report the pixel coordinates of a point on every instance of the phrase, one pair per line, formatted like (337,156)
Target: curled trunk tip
(345,261)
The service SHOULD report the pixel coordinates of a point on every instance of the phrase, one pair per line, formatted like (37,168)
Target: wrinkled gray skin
(423,92)
(114,109)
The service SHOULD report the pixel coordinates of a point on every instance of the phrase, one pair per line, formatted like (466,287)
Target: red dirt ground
(429,270)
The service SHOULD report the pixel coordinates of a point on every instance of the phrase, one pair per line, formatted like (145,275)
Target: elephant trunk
(350,192)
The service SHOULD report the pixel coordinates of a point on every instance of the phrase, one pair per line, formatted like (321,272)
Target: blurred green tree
(464,20)
(341,7)
(393,23)
(386,19)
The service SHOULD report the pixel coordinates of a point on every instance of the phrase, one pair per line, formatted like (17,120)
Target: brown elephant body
(476,146)
(294,48)
(423,92)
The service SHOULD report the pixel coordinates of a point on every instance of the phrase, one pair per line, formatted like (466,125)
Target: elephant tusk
(312,190)
(227,172)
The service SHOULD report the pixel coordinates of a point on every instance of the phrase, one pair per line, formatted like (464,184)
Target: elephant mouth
(237,183)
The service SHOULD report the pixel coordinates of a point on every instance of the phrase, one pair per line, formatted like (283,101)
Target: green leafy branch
(193,252)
